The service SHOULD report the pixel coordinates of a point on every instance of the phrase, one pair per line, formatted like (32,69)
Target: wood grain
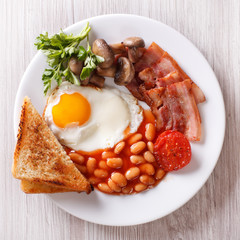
(213,26)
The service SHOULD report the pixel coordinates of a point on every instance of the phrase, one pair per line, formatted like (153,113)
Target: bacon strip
(184,110)
(133,87)
(171,94)
(198,93)
(170,78)
(150,56)
(175,77)
(166,65)
(148,77)
(175,108)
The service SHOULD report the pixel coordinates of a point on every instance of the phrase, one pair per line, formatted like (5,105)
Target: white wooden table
(214,27)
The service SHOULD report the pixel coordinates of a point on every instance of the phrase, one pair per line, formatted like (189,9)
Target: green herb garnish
(59,49)
(90,63)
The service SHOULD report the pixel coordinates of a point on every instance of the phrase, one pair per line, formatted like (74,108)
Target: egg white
(112,111)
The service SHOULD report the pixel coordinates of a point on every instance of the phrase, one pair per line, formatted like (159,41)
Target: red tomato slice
(172,150)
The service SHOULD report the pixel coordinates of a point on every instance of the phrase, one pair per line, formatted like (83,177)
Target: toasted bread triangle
(39,157)
(35,187)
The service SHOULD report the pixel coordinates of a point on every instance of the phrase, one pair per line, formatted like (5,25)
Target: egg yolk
(71,109)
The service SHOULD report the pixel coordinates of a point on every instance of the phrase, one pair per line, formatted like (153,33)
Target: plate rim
(218,152)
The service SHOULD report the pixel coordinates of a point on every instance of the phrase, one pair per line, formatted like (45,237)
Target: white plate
(178,187)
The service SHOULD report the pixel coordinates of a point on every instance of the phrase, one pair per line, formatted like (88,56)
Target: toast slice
(34,187)
(40,158)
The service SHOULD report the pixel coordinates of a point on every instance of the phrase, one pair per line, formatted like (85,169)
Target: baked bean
(150,146)
(147,168)
(150,132)
(114,186)
(137,147)
(149,156)
(137,159)
(81,168)
(114,162)
(127,190)
(104,188)
(132,173)
(148,180)
(106,155)
(100,173)
(119,147)
(139,187)
(159,174)
(91,165)
(102,164)
(119,179)
(76,157)
(94,180)
(134,138)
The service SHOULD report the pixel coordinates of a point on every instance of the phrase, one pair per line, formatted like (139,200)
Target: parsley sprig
(59,49)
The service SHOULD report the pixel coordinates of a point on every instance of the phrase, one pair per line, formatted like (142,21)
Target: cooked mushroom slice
(134,42)
(125,71)
(75,65)
(97,80)
(134,54)
(87,79)
(117,48)
(101,48)
(107,72)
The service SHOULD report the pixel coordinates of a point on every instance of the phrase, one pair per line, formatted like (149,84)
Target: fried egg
(87,118)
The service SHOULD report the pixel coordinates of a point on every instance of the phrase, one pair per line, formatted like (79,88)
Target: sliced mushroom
(125,71)
(117,48)
(75,65)
(140,52)
(107,72)
(101,48)
(134,54)
(97,80)
(86,80)
(134,42)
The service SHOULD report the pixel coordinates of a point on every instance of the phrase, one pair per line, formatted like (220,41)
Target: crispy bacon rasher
(170,93)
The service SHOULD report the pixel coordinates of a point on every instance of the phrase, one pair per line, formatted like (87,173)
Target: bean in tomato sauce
(130,167)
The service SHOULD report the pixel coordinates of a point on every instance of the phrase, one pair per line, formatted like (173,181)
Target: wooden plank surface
(214,27)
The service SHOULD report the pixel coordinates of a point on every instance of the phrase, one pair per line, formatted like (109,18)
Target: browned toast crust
(39,157)
(34,187)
